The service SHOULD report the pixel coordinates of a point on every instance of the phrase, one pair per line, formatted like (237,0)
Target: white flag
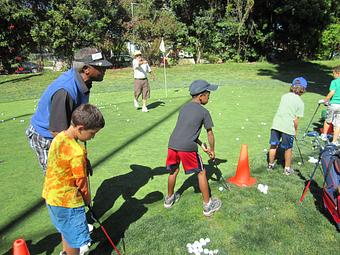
(162,46)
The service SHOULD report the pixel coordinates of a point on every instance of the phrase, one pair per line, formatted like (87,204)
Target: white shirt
(140,71)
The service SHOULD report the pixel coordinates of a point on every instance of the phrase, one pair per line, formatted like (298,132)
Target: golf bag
(330,160)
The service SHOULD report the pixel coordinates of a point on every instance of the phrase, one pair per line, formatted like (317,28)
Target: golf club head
(312,134)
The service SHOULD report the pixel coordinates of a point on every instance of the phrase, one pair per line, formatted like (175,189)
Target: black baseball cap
(95,59)
(199,86)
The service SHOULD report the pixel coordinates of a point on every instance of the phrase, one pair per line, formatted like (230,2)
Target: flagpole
(166,89)
(162,49)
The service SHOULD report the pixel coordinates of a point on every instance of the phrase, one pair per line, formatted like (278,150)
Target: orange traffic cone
(242,177)
(20,247)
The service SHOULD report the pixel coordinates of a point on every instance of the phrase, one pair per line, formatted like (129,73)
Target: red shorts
(191,161)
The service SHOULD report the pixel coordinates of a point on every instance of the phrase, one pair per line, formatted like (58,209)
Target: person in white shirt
(141,69)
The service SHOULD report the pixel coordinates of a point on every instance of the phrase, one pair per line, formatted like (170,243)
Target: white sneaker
(145,109)
(323,137)
(288,171)
(135,102)
(90,227)
(84,249)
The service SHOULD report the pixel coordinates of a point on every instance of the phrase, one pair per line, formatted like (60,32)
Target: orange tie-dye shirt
(65,166)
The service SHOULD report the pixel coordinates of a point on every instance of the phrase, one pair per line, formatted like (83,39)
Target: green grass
(129,157)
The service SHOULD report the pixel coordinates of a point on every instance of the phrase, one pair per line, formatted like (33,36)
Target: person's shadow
(117,223)
(155,104)
(126,185)
(212,172)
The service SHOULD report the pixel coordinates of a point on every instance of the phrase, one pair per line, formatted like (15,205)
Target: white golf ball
(246,119)
(220,188)
(197,243)
(202,241)
(265,150)
(242,127)
(299,163)
(237,104)
(190,250)
(118,114)
(258,136)
(188,245)
(215,251)
(237,139)
(127,120)
(207,240)
(206,251)
(13,118)
(219,113)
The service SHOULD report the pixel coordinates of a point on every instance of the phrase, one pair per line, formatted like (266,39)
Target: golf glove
(321,101)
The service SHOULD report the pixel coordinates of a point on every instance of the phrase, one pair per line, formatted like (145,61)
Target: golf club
(309,182)
(298,147)
(310,122)
(94,217)
(221,179)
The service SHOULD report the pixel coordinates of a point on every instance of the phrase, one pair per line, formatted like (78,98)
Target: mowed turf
(128,156)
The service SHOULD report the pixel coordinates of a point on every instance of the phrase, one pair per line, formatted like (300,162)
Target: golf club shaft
(310,122)
(298,147)
(223,183)
(103,229)
(309,182)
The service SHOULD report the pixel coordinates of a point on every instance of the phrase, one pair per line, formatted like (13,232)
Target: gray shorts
(333,114)
(142,87)
(40,145)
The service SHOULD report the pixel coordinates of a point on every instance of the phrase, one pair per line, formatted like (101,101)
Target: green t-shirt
(291,106)
(335,85)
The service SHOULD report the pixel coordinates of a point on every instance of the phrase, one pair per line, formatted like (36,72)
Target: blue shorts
(276,137)
(71,223)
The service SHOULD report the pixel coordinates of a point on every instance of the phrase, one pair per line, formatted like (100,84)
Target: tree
(72,24)
(15,24)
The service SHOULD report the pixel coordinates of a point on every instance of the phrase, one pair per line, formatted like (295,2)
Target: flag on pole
(162,46)
(162,49)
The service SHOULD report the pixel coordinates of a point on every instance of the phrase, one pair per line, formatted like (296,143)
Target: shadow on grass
(318,76)
(213,173)
(19,116)
(25,77)
(316,191)
(155,104)
(39,203)
(125,185)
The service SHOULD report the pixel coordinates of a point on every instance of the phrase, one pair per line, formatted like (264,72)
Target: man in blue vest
(61,97)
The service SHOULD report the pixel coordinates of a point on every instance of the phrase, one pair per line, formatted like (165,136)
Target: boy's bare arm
(211,141)
(330,95)
(296,125)
(82,185)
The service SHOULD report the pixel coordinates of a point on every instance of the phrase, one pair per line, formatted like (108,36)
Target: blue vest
(67,81)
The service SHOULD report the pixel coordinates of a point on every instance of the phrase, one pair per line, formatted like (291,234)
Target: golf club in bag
(310,122)
(95,218)
(317,164)
(221,179)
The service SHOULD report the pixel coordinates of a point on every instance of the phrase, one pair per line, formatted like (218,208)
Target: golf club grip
(305,191)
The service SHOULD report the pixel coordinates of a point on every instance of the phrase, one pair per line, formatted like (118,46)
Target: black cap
(95,59)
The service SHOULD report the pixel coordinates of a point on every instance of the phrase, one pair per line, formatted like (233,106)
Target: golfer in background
(141,69)
(62,97)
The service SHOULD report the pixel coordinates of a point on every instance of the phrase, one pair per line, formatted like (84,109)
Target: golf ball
(118,114)
(206,251)
(207,240)
(299,163)
(215,251)
(219,113)
(237,139)
(258,136)
(246,119)
(237,104)
(220,188)
(127,120)
(202,241)
(265,150)
(242,127)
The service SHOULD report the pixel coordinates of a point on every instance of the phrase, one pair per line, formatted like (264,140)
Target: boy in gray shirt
(183,145)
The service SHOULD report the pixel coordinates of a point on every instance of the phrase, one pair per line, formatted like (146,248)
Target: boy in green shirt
(285,123)
(332,101)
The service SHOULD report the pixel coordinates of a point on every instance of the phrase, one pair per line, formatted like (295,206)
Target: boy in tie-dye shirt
(66,185)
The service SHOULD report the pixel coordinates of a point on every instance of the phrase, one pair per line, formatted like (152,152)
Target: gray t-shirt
(188,127)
